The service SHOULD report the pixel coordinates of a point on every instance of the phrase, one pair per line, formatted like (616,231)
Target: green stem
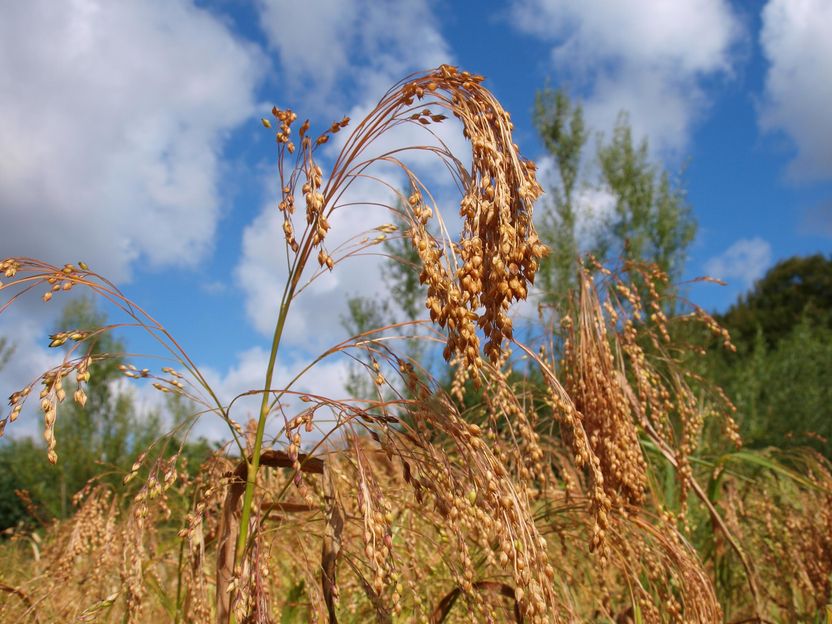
(254,463)
(178,614)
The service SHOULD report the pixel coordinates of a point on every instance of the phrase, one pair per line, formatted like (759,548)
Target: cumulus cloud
(373,42)
(112,121)
(796,41)
(649,58)
(314,322)
(744,261)
(248,372)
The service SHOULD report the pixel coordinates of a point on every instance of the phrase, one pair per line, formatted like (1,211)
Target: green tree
(651,220)
(791,290)
(779,376)
(401,271)
(783,396)
(106,434)
(19,471)
(363,315)
(102,439)
(561,126)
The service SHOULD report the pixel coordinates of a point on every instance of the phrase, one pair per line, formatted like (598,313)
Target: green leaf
(294,609)
(759,459)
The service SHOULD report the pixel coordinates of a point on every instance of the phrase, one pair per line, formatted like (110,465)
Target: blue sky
(130,138)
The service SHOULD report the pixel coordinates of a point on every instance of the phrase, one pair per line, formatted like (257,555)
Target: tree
(783,394)
(650,221)
(561,126)
(363,315)
(102,439)
(106,434)
(793,289)
(401,270)
(779,376)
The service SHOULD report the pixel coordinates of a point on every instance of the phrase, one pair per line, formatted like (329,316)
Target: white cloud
(594,211)
(744,261)
(112,121)
(373,43)
(646,57)
(314,321)
(797,40)
(327,378)
(31,358)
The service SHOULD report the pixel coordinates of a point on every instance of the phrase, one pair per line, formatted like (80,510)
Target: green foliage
(363,315)
(100,440)
(105,435)
(779,377)
(561,126)
(651,220)
(295,611)
(783,394)
(19,471)
(794,288)
(401,271)
(401,303)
